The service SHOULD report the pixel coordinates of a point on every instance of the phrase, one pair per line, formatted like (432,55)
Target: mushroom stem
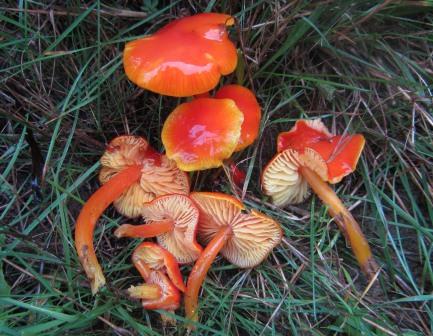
(345,221)
(90,214)
(199,271)
(150,230)
(145,292)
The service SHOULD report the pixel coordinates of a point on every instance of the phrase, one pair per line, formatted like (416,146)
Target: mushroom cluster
(187,58)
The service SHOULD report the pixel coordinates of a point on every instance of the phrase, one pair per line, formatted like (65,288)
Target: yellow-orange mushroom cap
(202,133)
(159,175)
(184,58)
(246,101)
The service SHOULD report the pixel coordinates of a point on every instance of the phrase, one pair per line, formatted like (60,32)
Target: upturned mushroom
(245,238)
(172,219)
(185,58)
(159,291)
(132,173)
(203,133)
(309,155)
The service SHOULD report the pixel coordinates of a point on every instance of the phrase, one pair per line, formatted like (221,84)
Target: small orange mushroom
(132,173)
(244,238)
(186,57)
(159,291)
(311,155)
(246,101)
(202,133)
(173,220)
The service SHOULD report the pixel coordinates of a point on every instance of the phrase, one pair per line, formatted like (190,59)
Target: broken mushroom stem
(153,229)
(89,215)
(145,292)
(345,221)
(200,269)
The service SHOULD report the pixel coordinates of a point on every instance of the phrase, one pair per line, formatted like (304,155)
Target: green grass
(363,66)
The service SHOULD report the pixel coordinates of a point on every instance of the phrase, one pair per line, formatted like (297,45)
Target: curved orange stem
(345,221)
(150,230)
(200,269)
(90,214)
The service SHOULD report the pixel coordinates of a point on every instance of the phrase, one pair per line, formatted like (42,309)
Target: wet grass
(362,66)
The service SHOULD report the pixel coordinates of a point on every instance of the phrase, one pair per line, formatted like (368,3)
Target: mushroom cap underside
(159,175)
(253,237)
(181,241)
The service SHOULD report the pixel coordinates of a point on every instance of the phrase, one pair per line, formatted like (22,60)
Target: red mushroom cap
(340,152)
(246,101)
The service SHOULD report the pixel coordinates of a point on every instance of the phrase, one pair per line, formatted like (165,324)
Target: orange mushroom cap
(253,236)
(173,220)
(159,259)
(246,101)
(184,58)
(309,144)
(159,291)
(202,133)
(159,175)
(340,153)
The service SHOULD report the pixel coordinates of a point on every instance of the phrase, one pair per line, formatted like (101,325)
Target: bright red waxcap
(340,152)
(185,58)
(202,133)
(246,101)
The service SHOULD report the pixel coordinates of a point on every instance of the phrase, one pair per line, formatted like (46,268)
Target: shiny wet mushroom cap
(309,144)
(202,133)
(185,58)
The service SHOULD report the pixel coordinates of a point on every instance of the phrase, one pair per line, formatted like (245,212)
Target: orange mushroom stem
(245,238)
(89,215)
(200,269)
(150,230)
(132,173)
(151,260)
(345,221)
(173,220)
(310,155)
